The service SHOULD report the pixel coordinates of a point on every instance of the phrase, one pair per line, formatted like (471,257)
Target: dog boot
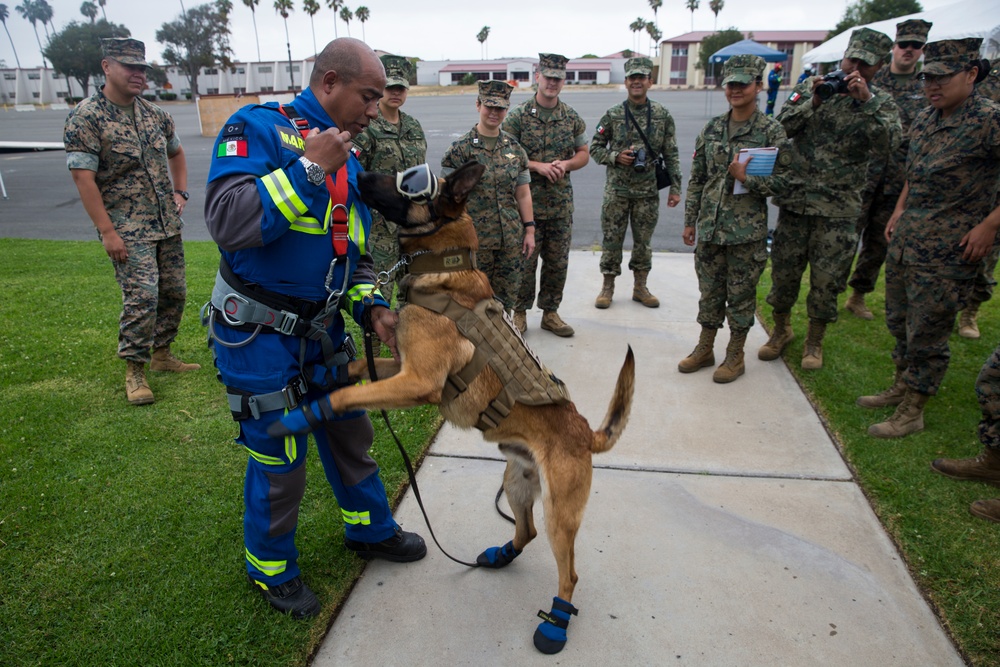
(550,636)
(497,557)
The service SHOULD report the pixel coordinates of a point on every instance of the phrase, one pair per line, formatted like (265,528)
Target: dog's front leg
(358,370)
(405,389)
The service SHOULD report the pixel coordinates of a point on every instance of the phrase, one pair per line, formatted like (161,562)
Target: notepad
(762,164)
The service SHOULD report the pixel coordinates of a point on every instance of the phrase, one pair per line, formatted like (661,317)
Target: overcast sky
(445,29)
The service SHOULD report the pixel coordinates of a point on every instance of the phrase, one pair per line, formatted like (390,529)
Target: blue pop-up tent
(748,46)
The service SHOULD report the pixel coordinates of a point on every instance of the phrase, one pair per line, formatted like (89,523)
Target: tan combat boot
(986,509)
(732,367)
(907,419)
(703,354)
(812,352)
(781,336)
(164,360)
(891,397)
(552,322)
(856,305)
(982,468)
(521,320)
(137,390)
(967,327)
(641,293)
(607,291)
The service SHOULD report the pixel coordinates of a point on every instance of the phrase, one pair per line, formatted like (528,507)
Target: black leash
(369,334)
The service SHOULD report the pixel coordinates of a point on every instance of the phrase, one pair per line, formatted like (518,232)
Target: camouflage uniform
(630,195)
(386,148)
(547,135)
(988,394)
(732,229)
(982,290)
(952,171)
(492,203)
(819,211)
(128,149)
(885,171)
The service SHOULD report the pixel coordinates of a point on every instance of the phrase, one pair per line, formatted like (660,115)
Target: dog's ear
(459,183)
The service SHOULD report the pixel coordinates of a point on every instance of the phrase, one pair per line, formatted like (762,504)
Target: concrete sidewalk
(723,529)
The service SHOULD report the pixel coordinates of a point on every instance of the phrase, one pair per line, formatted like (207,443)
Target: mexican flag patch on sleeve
(232,148)
(794,98)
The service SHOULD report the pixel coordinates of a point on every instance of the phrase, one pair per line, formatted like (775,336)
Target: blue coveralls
(294,260)
(773,83)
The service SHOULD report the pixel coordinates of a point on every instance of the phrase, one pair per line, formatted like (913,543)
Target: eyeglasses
(417,183)
(737,85)
(931,80)
(916,46)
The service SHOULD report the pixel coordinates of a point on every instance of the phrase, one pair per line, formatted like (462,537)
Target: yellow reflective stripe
(265,459)
(283,195)
(356,294)
(291,446)
(269,567)
(308,226)
(355,518)
(356,231)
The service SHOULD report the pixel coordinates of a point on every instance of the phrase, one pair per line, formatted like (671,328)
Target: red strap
(337,189)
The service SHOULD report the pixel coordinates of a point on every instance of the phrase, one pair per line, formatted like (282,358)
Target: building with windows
(679,55)
(519,71)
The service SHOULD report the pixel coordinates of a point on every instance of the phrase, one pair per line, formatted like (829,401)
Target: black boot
(402,547)
(292,597)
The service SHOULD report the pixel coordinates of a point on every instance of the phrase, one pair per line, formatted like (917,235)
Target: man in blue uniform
(282,204)
(773,84)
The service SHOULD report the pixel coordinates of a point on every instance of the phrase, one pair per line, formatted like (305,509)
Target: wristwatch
(314,172)
(183,193)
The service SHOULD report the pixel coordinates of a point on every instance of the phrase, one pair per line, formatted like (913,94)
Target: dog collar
(453,259)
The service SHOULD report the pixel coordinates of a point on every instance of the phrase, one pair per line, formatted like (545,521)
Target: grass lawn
(121,527)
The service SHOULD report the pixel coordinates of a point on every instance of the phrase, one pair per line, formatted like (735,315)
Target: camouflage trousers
(920,307)
(982,289)
(827,246)
(552,244)
(383,246)
(871,230)
(153,296)
(616,213)
(988,394)
(727,279)
(502,267)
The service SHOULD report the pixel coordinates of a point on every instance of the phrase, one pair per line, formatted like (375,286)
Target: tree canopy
(76,50)
(861,12)
(199,38)
(716,41)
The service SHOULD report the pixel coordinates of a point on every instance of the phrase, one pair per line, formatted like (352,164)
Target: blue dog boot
(497,557)
(550,636)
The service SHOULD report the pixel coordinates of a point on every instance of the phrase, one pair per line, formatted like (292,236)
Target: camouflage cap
(552,65)
(950,55)
(642,66)
(397,71)
(125,50)
(743,68)
(913,30)
(869,45)
(495,93)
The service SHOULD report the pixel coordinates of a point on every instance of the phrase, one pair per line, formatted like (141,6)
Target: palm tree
(692,5)
(636,27)
(28,9)
(252,4)
(483,35)
(45,16)
(346,15)
(4,13)
(310,7)
(654,36)
(89,9)
(335,5)
(103,13)
(656,4)
(362,14)
(284,7)
(716,7)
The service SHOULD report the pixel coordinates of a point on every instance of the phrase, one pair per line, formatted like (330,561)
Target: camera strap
(649,124)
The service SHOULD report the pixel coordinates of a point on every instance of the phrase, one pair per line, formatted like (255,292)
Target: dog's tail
(615,420)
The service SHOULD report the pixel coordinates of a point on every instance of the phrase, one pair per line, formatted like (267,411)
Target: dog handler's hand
(384,323)
(329,148)
(303,419)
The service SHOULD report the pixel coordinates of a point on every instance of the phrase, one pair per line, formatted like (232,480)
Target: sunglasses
(930,80)
(916,46)
(418,183)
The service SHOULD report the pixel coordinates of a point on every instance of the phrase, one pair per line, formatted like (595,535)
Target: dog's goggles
(417,183)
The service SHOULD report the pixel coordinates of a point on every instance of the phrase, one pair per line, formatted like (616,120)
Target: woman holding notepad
(740,159)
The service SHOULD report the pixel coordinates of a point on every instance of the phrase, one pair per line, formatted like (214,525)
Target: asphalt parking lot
(43,202)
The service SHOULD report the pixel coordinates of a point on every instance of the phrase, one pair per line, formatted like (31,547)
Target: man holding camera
(885,171)
(629,137)
(835,122)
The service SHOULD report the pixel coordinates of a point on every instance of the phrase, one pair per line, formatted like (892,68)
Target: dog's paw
(497,557)
(302,420)
(550,636)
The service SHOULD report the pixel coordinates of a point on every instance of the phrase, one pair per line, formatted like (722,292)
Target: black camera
(833,83)
(640,160)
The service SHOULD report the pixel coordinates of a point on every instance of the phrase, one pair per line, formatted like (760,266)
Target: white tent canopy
(968,18)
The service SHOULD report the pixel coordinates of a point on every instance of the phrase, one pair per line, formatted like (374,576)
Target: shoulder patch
(232,147)
(291,139)
(233,130)
(356,150)
(794,98)
(784,158)
(600,129)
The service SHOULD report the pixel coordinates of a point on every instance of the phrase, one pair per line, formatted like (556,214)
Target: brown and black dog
(550,440)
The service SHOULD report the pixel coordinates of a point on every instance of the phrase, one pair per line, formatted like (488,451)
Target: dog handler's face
(353,103)
(490,118)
